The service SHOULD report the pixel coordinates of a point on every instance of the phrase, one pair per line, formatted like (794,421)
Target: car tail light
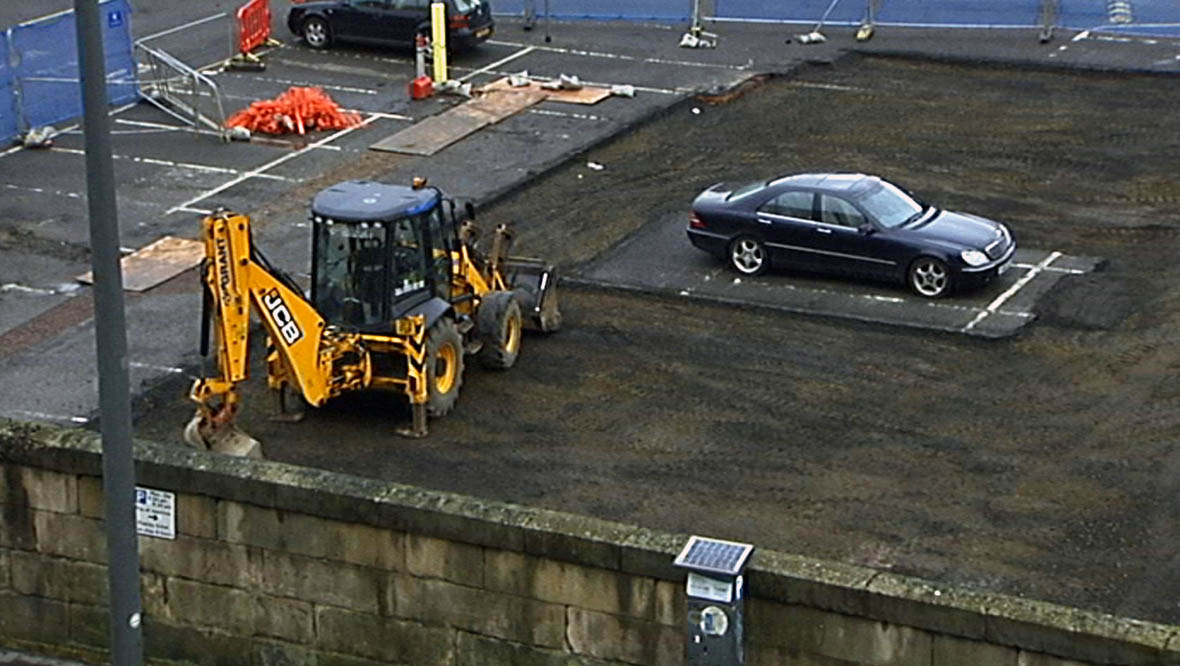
(459,21)
(696,222)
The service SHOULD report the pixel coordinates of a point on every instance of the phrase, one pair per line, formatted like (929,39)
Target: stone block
(574,539)
(90,497)
(1075,633)
(322,581)
(43,489)
(427,557)
(606,636)
(192,603)
(862,641)
(33,619)
(671,603)
(922,604)
(952,651)
(5,576)
(16,526)
(276,653)
(571,584)
(70,535)
(166,641)
(481,611)
(1040,659)
(385,639)
(154,595)
(287,619)
(58,578)
(337,659)
(89,625)
(311,536)
(196,515)
(205,560)
(476,650)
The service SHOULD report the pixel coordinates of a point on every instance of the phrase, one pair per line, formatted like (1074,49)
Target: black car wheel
(748,256)
(929,277)
(317,33)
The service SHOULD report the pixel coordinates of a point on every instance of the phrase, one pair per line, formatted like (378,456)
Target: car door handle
(765,221)
(823,230)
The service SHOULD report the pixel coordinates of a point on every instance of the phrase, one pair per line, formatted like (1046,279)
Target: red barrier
(253,25)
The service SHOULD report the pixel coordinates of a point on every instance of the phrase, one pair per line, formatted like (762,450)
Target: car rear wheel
(929,277)
(748,256)
(316,33)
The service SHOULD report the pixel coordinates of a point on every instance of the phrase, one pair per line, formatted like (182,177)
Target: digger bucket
(535,285)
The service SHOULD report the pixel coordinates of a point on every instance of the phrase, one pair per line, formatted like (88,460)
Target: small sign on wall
(155,513)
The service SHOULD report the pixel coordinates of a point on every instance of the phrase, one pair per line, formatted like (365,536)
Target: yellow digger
(400,293)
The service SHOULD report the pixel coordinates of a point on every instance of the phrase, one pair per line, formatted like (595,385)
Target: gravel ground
(1039,465)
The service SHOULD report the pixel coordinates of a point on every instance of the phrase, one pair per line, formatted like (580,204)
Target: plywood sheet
(156,262)
(586,95)
(428,136)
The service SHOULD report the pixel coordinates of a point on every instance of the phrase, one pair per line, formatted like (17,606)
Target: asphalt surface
(1037,465)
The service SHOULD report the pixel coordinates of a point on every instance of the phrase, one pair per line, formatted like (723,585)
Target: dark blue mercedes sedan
(849,224)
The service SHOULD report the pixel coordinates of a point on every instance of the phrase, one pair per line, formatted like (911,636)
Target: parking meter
(715,595)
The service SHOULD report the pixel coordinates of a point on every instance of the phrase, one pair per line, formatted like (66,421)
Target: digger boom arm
(235,283)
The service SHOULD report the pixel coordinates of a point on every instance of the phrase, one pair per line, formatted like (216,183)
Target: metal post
(118,465)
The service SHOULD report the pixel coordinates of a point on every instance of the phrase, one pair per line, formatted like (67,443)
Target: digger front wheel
(444,367)
(499,323)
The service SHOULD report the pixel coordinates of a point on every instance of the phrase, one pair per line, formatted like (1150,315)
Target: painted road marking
(519,54)
(185,26)
(565,114)
(42,416)
(1017,286)
(179,165)
(113,112)
(619,56)
(158,368)
(186,206)
(42,190)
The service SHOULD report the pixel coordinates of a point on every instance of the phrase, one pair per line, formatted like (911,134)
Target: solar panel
(715,555)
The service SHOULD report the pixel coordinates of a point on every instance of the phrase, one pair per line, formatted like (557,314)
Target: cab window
(834,210)
(790,204)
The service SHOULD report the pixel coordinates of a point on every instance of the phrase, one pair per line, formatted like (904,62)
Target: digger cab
(378,251)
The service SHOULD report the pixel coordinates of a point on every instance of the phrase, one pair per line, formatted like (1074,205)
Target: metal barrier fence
(180,90)
(41,86)
(253,25)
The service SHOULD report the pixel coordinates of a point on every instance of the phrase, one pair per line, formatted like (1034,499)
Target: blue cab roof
(368,201)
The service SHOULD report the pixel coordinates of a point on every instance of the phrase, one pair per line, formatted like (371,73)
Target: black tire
(444,367)
(747,255)
(317,33)
(929,277)
(499,325)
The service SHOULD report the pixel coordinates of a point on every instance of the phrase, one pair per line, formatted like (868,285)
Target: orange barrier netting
(297,110)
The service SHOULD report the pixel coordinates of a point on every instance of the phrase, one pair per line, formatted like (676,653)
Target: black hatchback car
(849,224)
(388,22)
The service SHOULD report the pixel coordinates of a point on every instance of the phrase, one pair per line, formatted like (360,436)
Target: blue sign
(115,19)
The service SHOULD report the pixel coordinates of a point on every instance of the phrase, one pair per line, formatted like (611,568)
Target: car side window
(371,4)
(834,210)
(790,204)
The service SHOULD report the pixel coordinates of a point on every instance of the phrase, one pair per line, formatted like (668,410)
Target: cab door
(785,222)
(362,20)
(848,243)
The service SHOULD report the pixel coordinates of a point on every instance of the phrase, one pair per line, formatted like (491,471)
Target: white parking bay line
(178,165)
(269,165)
(523,52)
(1016,286)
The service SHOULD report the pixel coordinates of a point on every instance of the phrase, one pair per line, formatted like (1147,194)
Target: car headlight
(973,257)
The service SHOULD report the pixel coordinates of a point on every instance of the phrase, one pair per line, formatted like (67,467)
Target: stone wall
(275,564)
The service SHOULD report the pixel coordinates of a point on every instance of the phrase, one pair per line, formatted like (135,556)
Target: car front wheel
(316,33)
(748,256)
(929,277)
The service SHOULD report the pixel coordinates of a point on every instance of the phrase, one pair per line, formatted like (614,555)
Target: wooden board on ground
(431,135)
(156,262)
(585,95)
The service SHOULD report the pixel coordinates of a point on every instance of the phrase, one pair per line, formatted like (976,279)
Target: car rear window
(466,6)
(746,189)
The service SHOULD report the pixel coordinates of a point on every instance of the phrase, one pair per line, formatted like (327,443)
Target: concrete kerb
(1013,63)
(778,577)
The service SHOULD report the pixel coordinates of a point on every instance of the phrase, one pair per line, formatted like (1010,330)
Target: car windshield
(890,206)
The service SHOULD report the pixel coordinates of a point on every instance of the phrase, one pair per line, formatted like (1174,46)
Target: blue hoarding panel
(8,125)
(905,12)
(636,10)
(46,70)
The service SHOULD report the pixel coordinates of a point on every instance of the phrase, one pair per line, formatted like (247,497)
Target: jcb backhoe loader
(400,292)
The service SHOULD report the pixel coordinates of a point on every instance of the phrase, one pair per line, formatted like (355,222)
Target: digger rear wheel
(444,367)
(499,323)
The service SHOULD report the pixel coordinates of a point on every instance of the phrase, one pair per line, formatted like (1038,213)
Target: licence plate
(483,32)
(1004,267)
